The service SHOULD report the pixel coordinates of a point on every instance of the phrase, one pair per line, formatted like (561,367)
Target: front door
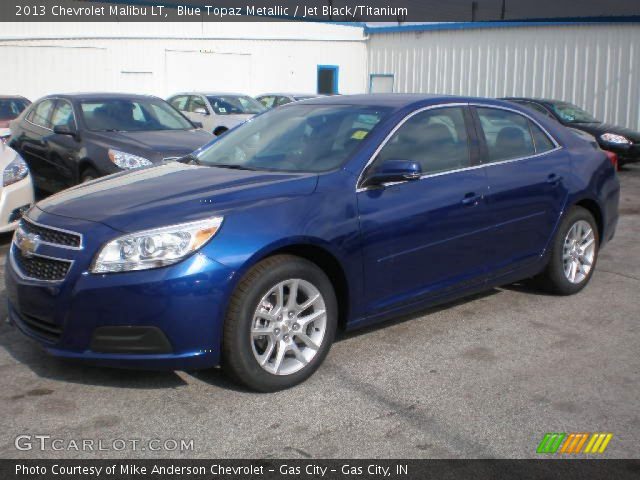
(423,238)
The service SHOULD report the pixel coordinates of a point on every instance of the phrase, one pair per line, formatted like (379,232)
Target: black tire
(88,174)
(553,278)
(238,359)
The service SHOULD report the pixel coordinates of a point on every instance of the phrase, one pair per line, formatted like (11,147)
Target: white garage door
(207,71)
(39,70)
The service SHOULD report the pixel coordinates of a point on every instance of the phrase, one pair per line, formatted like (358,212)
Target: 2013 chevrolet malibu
(250,252)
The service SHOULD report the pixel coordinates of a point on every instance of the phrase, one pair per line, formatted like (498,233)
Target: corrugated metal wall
(594,66)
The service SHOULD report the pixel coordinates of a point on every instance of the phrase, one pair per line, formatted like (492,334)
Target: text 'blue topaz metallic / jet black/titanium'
(337,211)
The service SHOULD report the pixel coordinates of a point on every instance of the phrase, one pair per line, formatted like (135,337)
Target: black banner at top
(351,11)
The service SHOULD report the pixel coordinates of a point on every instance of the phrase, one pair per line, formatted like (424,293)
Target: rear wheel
(574,254)
(280,325)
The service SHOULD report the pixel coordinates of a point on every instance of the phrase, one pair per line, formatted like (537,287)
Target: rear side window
(197,103)
(436,139)
(40,114)
(506,133)
(180,102)
(541,141)
(267,101)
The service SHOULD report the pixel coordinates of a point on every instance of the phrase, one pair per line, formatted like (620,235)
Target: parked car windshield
(301,138)
(10,108)
(235,104)
(131,115)
(571,113)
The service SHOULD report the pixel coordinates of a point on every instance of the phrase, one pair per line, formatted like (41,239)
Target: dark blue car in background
(337,211)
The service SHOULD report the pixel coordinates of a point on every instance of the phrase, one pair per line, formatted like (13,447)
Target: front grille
(50,235)
(41,268)
(42,327)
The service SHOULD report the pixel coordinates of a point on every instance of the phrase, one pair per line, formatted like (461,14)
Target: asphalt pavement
(483,377)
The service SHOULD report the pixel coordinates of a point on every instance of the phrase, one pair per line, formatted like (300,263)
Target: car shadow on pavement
(391,321)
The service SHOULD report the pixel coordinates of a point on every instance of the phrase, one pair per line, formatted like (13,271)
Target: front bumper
(79,317)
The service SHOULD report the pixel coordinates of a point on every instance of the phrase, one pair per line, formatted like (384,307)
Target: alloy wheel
(579,250)
(288,327)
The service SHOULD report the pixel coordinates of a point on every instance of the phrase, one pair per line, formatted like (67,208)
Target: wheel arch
(594,208)
(320,255)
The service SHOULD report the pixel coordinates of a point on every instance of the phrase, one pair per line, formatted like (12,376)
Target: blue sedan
(333,212)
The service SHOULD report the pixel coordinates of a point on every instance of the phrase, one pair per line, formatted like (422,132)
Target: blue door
(422,238)
(525,170)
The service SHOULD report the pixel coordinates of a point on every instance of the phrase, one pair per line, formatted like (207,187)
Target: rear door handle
(471,199)
(554,179)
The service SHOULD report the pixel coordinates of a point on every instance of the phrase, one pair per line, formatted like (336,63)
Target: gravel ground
(484,377)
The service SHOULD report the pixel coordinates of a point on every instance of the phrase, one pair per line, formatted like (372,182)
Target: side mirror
(201,111)
(64,130)
(393,171)
(197,124)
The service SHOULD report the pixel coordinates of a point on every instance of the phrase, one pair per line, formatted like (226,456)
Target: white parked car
(16,191)
(217,112)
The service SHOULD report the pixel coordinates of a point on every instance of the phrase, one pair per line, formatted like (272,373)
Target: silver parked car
(217,112)
(272,100)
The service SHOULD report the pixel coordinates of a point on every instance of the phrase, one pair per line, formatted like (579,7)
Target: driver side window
(436,139)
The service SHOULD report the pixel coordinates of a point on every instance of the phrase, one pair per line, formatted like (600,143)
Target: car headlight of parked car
(615,138)
(15,171)
(127,161)
(155,248)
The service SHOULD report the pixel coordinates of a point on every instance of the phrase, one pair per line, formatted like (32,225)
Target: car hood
(597,129)
(174,193)
(156,145)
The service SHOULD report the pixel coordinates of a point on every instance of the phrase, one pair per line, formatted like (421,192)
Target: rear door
(33,142)
(526,170)
(63,149)
(426,237)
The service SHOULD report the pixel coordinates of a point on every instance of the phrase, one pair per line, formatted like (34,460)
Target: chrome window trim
(457,170)
(68,247)
(22,275)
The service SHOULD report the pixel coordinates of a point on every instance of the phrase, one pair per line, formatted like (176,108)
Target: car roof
(398,100)
(10,97)
(290,94)
(535,99)
(216,94)
(100,96)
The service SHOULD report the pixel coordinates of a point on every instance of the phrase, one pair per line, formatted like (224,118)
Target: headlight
(614,138)
(127,161)
(155,248)
(15,171)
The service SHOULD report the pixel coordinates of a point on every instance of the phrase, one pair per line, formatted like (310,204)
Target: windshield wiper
(232,166)
(188,159)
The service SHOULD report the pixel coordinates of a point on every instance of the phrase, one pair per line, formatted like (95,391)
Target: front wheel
(280,324)
(573,255)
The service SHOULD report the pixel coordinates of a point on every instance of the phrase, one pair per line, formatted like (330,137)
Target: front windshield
(235,104)
(10,108)
(570,113)
(301,138)
(131,115)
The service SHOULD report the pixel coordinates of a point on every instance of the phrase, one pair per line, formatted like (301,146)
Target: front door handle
(471,199)
(554,179)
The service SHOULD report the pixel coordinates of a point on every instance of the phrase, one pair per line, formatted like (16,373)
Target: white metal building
(596,66)
(164,58)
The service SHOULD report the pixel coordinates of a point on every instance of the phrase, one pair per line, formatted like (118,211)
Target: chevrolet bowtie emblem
(27,243)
